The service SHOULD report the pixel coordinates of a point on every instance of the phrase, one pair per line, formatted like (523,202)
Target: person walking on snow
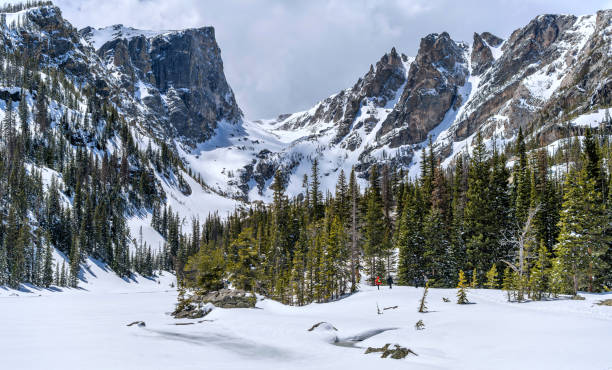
(390,281)
(377,282)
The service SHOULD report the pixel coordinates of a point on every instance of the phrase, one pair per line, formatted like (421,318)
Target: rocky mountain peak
(385,79)
(178,75)
(439,49)
(482,57)
(491,39)
(439,68)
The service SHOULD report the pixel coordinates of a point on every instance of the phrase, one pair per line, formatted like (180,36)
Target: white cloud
(283,56)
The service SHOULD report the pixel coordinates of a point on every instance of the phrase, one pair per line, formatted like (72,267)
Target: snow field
(87,329)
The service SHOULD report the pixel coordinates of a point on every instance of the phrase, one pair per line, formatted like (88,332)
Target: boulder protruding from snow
(200,304)
(323,325)
(228,298)
(397,353)
(140,324)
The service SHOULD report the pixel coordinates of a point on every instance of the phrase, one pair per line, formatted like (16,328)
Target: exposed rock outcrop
(178,75)
(439,68)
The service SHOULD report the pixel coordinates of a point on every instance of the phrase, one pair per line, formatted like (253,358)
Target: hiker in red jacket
(377,282)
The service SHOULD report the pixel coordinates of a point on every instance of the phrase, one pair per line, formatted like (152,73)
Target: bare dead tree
(521,239)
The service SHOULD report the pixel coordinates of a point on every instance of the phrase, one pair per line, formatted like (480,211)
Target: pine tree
(508,283)
(492,278)
(315,192)
(558,282)
(474,283)
(354,254)
(63,281)
(462,289)
(409,239)
(374,246)
(523,180)
(244,269)
(582,240)
(57,275)
(538,278)
(480,232)
(4,273)
(75,259)
(47,276)
(42,118)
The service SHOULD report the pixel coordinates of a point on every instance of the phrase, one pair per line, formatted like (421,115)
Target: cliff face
(435,76)
(178,75)
(171,85)
(553,69)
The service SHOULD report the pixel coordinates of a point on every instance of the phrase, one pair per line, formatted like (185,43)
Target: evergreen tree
(374,246)
(47,276)
(315,192)
(354,254)
(492,278)
(474,283)
(508,283)
(244,269)
(582,240)
(4,273)
(538,278)
(462,289)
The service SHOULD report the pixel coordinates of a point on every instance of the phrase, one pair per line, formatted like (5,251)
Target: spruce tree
(244,269)
(474,283)
(538,278)
(508,283)
(462,289)
(492,278)
(63,281)
(374,227)
(582,240)
(4,273)
(47,276)
(480,233)
(354,253)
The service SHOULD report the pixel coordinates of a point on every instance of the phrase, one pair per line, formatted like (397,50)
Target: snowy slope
(489,333)
(534,66)
(100,36)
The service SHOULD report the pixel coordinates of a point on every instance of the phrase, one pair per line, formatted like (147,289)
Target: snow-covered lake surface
(86,329)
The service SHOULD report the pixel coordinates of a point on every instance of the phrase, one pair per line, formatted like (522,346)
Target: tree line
(533,223)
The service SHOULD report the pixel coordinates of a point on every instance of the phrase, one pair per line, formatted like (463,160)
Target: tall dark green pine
(47,276)
(582,240)
(480,240)
(409,239)
(353,193)
(522,180)
(316,198)
(374,228)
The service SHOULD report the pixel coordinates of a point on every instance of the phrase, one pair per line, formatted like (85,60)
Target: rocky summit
(178,75)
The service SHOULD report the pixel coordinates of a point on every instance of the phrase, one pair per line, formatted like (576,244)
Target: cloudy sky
(283,56)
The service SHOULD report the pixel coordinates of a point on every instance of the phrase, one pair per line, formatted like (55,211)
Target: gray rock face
(482,57)
(379,85)
(178,75)
(555,67)
(227,298)
(438,70)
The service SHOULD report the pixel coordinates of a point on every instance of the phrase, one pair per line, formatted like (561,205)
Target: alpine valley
(127,165)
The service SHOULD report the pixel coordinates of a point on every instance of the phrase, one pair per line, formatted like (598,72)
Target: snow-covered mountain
(177,91)
(553,70)
(169,88)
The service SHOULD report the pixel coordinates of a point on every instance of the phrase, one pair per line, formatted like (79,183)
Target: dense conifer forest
(56,133)
(532,222)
